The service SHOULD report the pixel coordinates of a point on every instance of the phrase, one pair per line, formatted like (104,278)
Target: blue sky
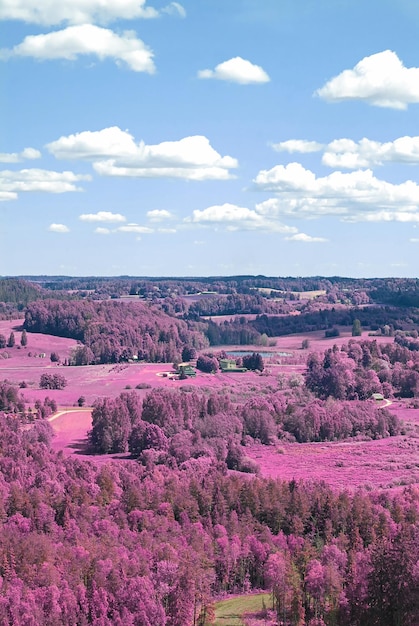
(209,137)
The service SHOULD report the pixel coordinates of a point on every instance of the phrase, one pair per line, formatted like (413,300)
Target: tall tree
(23,338)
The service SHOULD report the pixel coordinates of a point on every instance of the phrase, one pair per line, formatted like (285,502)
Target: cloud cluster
(237,70)
(102,216)
(13,182)
(380,79)
(55,12)
(87,39)
(84,33)
(297,145)
(348,154)
(17,157)
(345,153)
(231,217)
(114,152)
(354,196)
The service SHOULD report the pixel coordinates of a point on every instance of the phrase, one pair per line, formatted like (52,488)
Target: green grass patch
(229,612)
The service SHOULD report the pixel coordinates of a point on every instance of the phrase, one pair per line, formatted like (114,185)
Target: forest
(166,510)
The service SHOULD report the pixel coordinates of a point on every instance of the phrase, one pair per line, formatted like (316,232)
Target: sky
(209,137)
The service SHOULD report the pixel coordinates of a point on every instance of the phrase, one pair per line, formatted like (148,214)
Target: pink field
(382,464)
(96,381)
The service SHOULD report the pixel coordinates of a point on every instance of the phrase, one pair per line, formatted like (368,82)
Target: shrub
(207,364)
(332,332)
(52,381)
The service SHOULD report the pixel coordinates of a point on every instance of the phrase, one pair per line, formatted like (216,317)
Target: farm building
(229,365)
(186,369)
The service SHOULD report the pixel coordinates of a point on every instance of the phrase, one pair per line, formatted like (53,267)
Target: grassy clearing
(229,612)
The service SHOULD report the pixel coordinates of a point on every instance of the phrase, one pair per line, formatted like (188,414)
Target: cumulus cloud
(16,157)
(134,228)
(354,196)
(306,238)
(348,154)
(380,79)
(297,145)
(58,228)
(232,217)
(39,180)
(87,39)
(237,70)
(102,216)
(159,215)
(53,12)
(345,153)
(7,195)
(114,152)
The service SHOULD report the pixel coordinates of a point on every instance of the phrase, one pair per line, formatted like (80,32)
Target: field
(386,463)
(246,610)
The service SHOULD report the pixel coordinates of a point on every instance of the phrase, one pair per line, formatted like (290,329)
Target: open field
(233,612)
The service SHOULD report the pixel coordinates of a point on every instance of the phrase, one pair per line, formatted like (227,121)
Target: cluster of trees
(52,381)
(10,399)
(361,368)
(11,341)
(123,544)
(114,331)
(236,304)
(172,426)
(19,292)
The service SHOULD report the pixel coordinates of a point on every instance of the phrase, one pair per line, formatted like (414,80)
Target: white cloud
(53,12)
(114,152)
(102,216)
(87,39)
(102,231)
(354,196)
(7,195)
(233,217)
(159,215)
(58,228)
(306,238)
(348,154)
(174,8)
(169,231)
(345,153)
(40,180)
(380,79)
(297,145)
(16,157)
(237,70)
(134,228)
